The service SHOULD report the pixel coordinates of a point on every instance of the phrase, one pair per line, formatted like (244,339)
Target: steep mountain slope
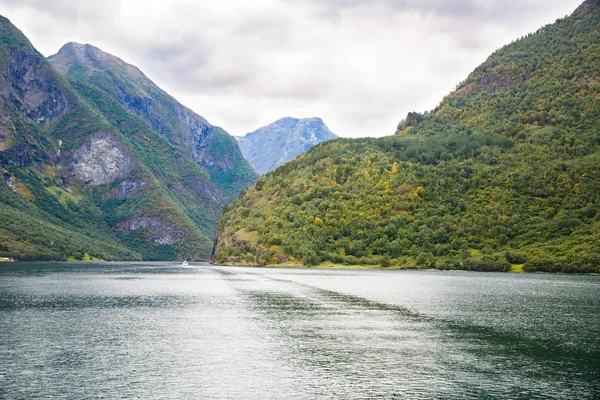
(505,171)
(275,144)
(209,146)
(91,177)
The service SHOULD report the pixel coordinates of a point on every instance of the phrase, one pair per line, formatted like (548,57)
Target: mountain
(504,174)
(85,176)
(273,145)
(87,67)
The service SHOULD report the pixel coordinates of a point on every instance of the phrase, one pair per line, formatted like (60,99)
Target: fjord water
(156,330)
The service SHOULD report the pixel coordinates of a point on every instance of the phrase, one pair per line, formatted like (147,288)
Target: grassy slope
(508,164)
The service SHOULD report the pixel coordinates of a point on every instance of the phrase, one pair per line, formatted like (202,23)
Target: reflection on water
(155,330)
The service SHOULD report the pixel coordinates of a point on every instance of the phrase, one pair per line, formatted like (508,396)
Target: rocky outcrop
(205,188)
(587,7)
(26,80)
(101,159)
(162,232)
(38,97)
(20,155)
(493,81)
(9,179)
(7,130)
(273,145)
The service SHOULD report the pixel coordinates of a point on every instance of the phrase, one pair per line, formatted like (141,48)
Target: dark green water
(157,331)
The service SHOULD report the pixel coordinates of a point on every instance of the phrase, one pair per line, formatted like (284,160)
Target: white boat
(185,263)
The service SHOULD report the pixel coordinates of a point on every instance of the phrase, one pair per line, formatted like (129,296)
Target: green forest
(503,175)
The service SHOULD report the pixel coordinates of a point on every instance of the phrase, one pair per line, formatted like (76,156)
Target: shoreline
(324,266)
(395,268)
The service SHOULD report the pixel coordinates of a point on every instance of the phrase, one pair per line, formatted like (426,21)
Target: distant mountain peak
(89,56)
(283,140)
(292,119)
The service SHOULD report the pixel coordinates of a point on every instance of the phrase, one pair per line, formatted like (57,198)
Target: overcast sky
(361,65)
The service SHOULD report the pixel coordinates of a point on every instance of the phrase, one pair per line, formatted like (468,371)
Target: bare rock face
(7,130)
(27,81)
(588,6)
(101,159)
(30,92)
(9,179)
(162,231)
(40,99)
(493,81)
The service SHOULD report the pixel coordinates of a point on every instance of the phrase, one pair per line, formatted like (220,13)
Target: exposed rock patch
(9,180)
(101,159)
(588,6)
(39,98)
(7,130)
(493,81)
(162,232)
(20,155)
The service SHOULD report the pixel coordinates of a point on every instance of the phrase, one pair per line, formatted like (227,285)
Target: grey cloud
(67,9)
(263,29)
(505,10)
(191,71)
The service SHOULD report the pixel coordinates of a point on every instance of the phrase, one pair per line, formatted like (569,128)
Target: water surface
(156,330)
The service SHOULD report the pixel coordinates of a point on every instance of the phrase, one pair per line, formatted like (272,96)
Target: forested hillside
(503,174)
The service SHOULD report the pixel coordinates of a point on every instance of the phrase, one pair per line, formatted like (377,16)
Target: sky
(360,65)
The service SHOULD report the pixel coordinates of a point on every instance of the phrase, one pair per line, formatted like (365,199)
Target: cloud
(488,10)
(361,65)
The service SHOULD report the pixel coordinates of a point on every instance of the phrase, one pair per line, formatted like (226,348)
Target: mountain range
(99,162)
(285,139)
(503,175)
